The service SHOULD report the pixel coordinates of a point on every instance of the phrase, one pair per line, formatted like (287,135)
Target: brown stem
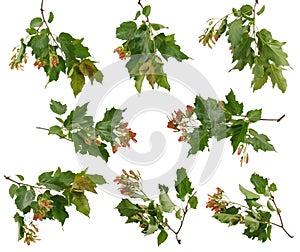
(23,184)
(63,137)
(280,218)
(268,119)
(46,23)
(185,211)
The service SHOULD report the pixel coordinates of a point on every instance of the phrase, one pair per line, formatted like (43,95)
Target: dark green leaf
(12,190)
(183,185)
(51,17)
(167,205)
(127,208)
(254,115)
(147,10)
(139,82)
(58,107)
(162,237)
(39,44)
(138,13)
(273,187)
(36,22)
(59,208)
(72,47)
(20,177)
(238,133)
(261,11)
(24,197)
(193,201)
(20,220)
(249,195)
(31,31)
(168,48)
(260,183)
(126,30)
(232,105)
(178,214)
(81,202)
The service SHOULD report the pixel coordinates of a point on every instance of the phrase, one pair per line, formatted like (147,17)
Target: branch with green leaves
(61,54)
(210,118)
(250,46)
(142,44)
(254,214)
(151,216)
(49,199)
(89,137)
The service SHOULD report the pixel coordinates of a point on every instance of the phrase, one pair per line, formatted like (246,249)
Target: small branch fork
(280,218)
(185,211)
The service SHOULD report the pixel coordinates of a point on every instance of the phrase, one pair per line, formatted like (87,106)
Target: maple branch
(63,137)
(268,119)
(46,23)
(185,211)
(23,184)
(280,218)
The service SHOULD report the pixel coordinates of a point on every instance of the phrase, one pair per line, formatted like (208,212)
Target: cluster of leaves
(249,46)
(141,46)
(88,137)
(49,198)
(220,119)
(56,54)
(151,217)
(255,215)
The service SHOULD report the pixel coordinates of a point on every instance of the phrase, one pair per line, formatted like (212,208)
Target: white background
(25,105)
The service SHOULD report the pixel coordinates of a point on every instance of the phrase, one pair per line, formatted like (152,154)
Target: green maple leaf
(39,44)
(126,30)
(276,76)
(80,201)
(57,107)
(77,80)
(254,115)
(249,195)
(167,205)
(183,185)
(58,210)
(106,126)
(82,182)
(232,105)
(72,47)
(128,209)
(21,223)
(162,237)
(24,198)
(198,140)
(167,46)
(260,184)
(259,141)
(230,219)
(271,49)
